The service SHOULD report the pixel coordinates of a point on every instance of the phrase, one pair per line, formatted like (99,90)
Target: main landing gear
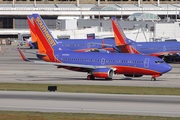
(153,79)
(90,77)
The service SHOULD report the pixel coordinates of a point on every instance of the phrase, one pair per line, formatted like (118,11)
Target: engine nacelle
(103,72)
(131,75)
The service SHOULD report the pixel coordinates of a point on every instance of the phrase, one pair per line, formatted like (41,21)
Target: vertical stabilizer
(43,34)
(46,43)
(32,29)
(120,38)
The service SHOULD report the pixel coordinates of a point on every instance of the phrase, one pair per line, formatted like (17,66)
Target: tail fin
(45,40)
(32,29)
(120,37)
(46,43)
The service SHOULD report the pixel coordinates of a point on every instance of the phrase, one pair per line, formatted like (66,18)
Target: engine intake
(103,72)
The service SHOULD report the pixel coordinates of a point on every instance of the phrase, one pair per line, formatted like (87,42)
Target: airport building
(13,13)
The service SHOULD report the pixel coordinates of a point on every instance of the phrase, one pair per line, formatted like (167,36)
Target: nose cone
(166,68)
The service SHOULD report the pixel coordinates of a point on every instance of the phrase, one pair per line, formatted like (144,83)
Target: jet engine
(103,72)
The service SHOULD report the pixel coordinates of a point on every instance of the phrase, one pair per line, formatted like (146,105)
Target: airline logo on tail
(122,42)
(120,29)
(119,35)
(45,31)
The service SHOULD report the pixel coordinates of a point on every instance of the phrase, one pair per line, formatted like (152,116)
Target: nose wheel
(153,79)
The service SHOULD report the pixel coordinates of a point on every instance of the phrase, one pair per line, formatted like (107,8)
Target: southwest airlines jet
(97,65)
(165,50)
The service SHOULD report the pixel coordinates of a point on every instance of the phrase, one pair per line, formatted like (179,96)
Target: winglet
(22,55)
(27,42)
(103,44)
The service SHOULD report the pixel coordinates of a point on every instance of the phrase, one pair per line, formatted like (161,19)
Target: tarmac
(14,70)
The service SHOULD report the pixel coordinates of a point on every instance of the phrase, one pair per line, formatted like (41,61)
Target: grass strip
(21,115)
(91,89)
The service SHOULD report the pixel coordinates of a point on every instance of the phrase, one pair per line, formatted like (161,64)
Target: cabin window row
(158,48)
(81,45)
(159,62)
(96,60)
(125,61)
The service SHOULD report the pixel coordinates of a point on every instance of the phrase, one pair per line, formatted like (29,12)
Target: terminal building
(13,13)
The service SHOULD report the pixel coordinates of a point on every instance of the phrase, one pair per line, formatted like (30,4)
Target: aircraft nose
(166,68)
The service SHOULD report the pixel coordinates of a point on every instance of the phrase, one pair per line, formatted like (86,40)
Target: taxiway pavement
(155,105)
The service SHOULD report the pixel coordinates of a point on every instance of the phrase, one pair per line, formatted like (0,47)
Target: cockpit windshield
(158,62)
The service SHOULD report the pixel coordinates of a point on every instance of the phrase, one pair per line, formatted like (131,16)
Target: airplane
(32,45)
(97,65)
(167,51)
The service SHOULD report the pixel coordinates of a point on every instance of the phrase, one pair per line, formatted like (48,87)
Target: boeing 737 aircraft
(97,65)
(165,50)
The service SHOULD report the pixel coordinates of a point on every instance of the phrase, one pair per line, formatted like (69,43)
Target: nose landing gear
(154,77)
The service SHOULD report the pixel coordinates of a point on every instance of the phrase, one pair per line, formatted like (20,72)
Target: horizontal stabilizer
(36,53)
(22,55)
(67,64)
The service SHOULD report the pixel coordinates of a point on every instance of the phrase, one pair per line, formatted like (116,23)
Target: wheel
(153,79)
(108,78)
(90,77)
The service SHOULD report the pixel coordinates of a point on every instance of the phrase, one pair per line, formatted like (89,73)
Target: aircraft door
(164,48)
(56,58)
(103,61)
(146,63)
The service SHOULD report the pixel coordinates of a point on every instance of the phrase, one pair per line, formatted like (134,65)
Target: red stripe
(133,70)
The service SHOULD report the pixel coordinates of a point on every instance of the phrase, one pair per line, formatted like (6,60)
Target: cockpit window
(158,62)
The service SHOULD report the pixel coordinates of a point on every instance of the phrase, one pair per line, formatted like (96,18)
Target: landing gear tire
(90,77)
(153,79)
(108,78)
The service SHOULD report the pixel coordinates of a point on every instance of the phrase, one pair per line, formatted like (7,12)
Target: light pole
(176,10)
(121,9)
(167,10)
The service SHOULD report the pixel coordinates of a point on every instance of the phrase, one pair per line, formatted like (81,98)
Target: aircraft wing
(36,53)
(67,64)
